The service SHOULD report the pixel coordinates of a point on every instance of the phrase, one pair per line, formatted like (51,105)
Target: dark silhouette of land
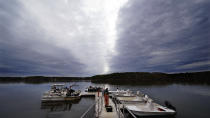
(41,79)
(147,78)
(123,78)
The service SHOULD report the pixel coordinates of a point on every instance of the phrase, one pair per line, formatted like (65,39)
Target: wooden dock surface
(101,110)
(105,114)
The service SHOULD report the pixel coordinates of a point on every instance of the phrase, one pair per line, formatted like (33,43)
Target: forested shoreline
(123,78)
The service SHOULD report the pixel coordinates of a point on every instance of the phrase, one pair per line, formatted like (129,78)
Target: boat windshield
(58,85)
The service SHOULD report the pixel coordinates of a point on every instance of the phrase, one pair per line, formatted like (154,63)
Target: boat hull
(71,98)
(143,113)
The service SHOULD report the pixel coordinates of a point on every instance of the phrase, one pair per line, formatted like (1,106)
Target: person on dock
(106,97)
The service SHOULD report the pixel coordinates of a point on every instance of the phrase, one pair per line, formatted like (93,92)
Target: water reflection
(58,106)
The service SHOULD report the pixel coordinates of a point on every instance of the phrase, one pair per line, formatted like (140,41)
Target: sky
(88,37)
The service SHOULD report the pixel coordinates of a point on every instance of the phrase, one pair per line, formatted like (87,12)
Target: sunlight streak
(111,12)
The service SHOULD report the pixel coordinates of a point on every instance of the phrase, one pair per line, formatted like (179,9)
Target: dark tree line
(123,78)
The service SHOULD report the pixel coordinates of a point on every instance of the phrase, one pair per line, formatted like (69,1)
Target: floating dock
(111,104)
(99,110)
(102,113)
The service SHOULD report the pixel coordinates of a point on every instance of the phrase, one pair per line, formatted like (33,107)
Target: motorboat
(149,109)
(59,92)
(140,104)
(93,89)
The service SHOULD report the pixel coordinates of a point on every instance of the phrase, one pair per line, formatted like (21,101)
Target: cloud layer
(87,37)
(163,36)
(63,37)
(27,49)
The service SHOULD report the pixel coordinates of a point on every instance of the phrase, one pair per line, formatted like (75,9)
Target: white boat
(149,109)
(59,92)
(141,105)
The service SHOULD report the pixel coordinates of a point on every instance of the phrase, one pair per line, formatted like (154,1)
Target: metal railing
(99,106)
(120,108)
(90,113)
(94,110)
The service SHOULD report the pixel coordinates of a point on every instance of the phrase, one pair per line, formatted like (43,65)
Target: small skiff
(149,109)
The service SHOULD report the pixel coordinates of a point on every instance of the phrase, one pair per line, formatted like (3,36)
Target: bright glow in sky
(112,8)
(78,25)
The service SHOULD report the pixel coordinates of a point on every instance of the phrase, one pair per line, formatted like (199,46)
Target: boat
(93,89)
(59,92)
(140,104)
(149,109)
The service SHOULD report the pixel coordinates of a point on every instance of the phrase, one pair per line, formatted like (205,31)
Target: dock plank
(105,114)
(100,110)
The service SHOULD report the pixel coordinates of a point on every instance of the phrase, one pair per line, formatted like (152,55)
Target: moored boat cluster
(137,104)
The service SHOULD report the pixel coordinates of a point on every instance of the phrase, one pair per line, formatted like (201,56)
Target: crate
(109,108)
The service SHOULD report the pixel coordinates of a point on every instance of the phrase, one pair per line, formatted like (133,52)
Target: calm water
(23,100)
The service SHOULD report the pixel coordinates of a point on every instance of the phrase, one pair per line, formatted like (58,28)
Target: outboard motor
(169,105)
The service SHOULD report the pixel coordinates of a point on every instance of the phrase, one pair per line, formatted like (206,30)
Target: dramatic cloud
(61,37)
(163,35)
(26,49)
(87,37)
